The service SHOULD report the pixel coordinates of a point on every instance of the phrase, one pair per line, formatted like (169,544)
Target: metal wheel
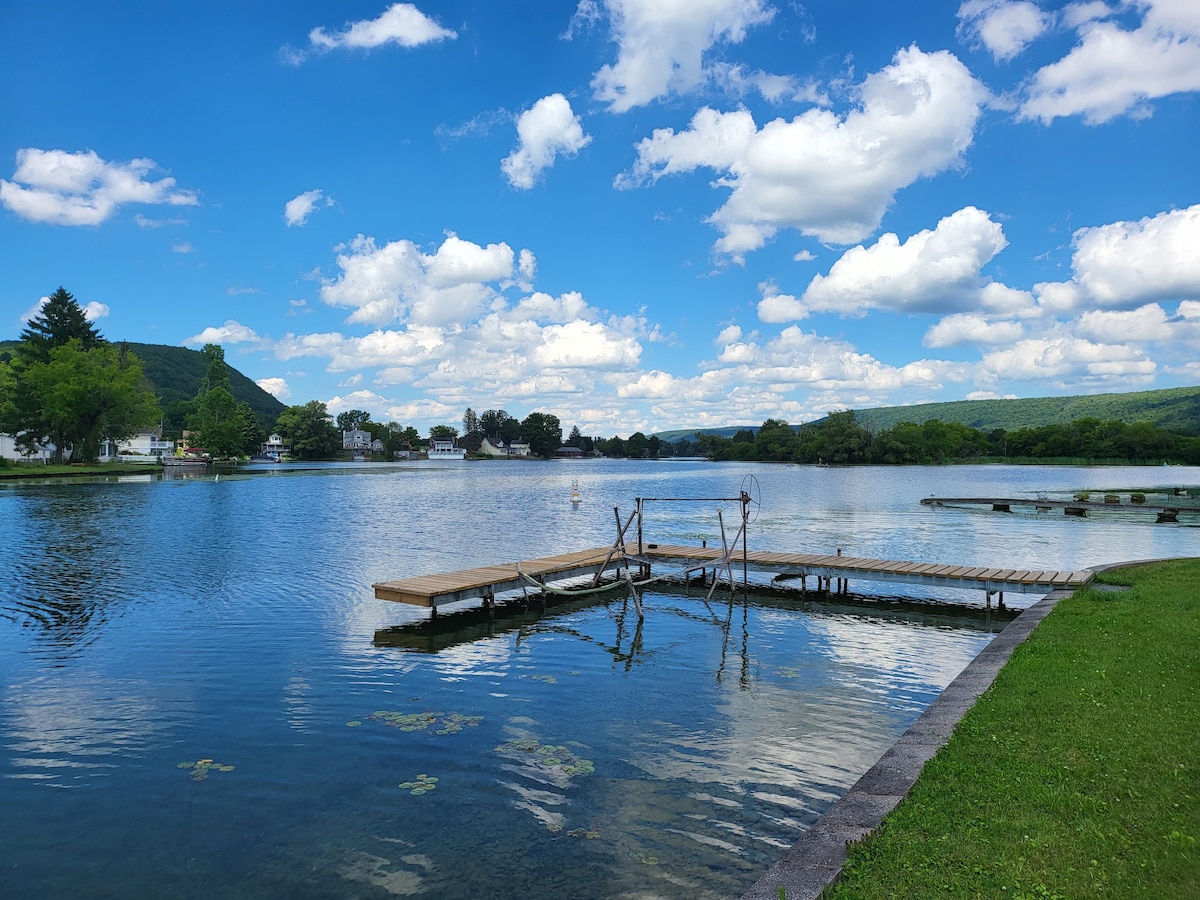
(751,498)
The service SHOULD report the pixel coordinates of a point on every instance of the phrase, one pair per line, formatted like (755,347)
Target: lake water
(200,696)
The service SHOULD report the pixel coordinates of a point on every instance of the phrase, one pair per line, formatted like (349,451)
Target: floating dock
(487,581)
(1163,512)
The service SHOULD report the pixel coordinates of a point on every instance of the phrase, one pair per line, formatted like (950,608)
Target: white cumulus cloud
(400,23)
(276,387)
(661,44)
(1004,27)
(398,281)
(63,188)
(971,328)
(231,332)
(1113,71)
(545,131)
(935,271)
(297,210)
(831,177)
(1125,265)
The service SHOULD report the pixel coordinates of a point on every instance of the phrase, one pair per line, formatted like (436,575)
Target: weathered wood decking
(1029,581)
(487,581)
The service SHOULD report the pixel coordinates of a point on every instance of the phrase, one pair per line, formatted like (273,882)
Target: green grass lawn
(1077,774)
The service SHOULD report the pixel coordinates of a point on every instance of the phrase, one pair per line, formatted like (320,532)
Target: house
(275,447)
(514,450)
(148,442)
(42,452)
(356,440)
(487,448)
(377,446)
(568,453)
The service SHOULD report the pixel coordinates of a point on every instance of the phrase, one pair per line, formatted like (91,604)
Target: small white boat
(576,497)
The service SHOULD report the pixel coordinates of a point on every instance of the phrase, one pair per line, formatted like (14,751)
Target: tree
(443,432)
(309,430)
(543,432)
(59,320)
(353,419)
(217,424)
(635,445)
(492,423)
(470,422)
(252,432)
(87,396)
(217,375)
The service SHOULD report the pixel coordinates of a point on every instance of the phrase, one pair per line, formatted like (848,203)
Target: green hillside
(175,374)
(1174,409)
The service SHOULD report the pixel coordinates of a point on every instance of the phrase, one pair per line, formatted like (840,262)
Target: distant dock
(1168,513)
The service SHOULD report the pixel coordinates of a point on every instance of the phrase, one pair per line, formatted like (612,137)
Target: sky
(635,215)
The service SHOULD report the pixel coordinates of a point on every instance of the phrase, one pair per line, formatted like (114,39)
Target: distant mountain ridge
(175,374)
(1174,409)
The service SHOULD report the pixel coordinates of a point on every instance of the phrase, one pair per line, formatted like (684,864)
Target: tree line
(841,439)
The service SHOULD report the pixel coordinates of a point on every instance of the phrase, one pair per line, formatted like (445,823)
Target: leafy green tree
(217,375)
(252,432)
(654,446)
(776,441)
(352,419)
(543,432)
(635,445)
(498,426)
(443,432)
(309,430)
(87,396)
(614,447)
(217,424)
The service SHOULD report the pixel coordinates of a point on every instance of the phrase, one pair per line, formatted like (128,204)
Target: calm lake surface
(200,696)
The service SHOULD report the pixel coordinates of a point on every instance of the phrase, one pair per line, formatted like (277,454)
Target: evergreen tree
(59,321)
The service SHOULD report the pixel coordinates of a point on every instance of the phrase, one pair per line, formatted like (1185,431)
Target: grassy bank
(24,470)
(1077,774)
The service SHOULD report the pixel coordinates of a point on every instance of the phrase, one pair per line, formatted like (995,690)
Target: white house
(274,446)
(356,440)
(9,450)
(148,442)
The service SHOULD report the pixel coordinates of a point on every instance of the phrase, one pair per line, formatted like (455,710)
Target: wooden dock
(834,566)
(487,581)
(1163,512)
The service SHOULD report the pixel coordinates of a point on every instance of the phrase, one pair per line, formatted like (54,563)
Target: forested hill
(1174,409)
(175,374)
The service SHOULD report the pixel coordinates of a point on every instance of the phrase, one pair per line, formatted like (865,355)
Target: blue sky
(633,214)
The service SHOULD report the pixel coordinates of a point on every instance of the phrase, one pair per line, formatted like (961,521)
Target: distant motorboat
(576,497)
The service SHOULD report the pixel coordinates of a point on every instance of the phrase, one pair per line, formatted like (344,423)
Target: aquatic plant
(440,722)
(201,768)
(553,759)
(549,679)
(423,785)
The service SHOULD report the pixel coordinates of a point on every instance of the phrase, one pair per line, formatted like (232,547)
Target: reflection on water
(362,750)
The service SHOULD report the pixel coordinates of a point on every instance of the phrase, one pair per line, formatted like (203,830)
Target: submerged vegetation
(1076,773)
